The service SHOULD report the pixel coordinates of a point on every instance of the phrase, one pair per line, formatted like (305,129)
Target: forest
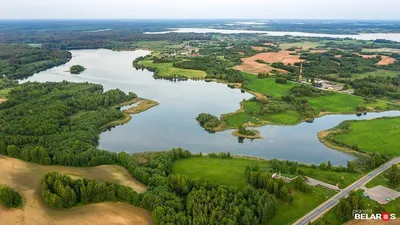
(62,124)
(172,198)
(19,61)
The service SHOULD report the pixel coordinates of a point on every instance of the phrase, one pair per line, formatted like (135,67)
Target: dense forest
(19,61)
(89,34)
(58,123)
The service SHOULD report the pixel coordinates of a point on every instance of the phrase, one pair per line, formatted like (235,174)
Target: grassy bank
(231,171)
(376,135)
(143,105)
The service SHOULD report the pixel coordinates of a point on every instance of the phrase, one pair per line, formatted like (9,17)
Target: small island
(76,69)
(247,133)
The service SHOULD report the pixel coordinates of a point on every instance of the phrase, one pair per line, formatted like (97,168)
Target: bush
(280,80)
(9,198)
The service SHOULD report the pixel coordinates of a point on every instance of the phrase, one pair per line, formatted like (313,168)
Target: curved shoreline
(325,133)
(144,105)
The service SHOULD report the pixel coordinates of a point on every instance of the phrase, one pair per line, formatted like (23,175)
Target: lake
(172,123)
(363,36)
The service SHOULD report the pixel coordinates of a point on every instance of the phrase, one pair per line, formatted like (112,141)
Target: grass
(220,171)
(336,103)
(142,106)
(268,86)
(287,213)
(155,45)
(168,70)
(234,120)
(304,45)
(380,180)
(4,92)
(231,171)
(377,73)
(377,135)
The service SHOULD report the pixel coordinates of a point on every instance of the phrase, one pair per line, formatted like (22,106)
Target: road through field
(329,204)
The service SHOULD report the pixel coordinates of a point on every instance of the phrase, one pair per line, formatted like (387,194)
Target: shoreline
(144,105)
(325,133)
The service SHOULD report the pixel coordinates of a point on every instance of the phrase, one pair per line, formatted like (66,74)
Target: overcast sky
(263,9)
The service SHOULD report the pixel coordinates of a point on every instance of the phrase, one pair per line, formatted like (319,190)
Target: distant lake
(365,36)
(172,123)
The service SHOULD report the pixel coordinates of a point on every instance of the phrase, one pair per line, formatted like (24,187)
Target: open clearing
(386,60)
(377,135)
(25,178)
(167,69)
(250,65)
(231,171)
(300,45)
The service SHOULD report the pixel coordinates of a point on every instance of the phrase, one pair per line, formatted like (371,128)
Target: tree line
(19,61)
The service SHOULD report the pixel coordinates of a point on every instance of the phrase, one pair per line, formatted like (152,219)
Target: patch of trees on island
(208,121)
(76,69)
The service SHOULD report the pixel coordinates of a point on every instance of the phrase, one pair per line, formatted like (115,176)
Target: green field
(235,120)
(380,180)
(336,103)
(377,73)
(287,213)
(231,171)
(267,86)
(220,171)
(166,69)
(155,45)
(377,135)
(304,45)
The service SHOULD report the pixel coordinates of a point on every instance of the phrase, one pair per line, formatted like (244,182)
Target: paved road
(314,182)
(329,204)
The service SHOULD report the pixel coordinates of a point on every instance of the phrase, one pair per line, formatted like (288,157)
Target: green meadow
(231,172)
(377,135)
(168,70)
(267,86)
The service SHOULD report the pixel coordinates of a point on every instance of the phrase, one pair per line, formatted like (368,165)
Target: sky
(196,9)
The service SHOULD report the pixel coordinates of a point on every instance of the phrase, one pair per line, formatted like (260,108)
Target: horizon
(200,9)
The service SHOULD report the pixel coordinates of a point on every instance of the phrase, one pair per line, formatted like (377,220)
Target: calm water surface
(364,36)
(172,123)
